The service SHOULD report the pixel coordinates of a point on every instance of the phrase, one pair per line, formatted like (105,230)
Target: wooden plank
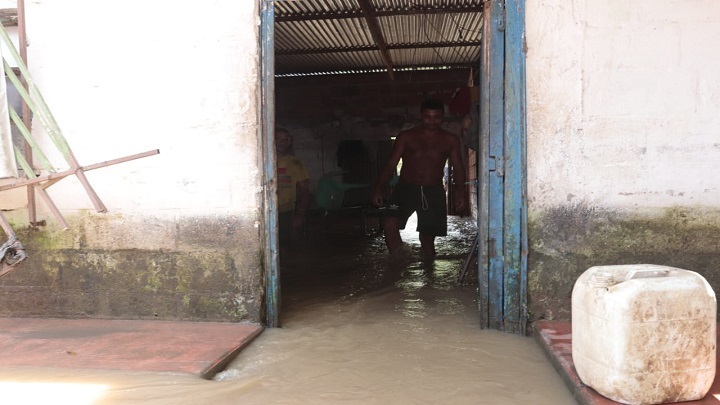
(32,96)
(515,280)
(9,17)
(416,10)
(377,35)
(30,174)
(53,208)
(71,171)
(45,116)
(520,52)
(29,141)
(5,225)
(270,212)
(483,176)
(493,113)
(496,178)
(27,116)
(94,198)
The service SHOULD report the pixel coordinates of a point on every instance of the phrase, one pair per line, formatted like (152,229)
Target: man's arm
(458,174)
(388,170)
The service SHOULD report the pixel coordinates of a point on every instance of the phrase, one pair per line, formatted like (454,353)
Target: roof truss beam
(386,13)
(366,70)
(377,35)
(371,48)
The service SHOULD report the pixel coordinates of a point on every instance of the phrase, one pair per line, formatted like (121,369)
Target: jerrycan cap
(601,279)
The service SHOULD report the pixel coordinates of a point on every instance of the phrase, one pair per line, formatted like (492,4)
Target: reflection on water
(366,328)
(16,392)
(358,327)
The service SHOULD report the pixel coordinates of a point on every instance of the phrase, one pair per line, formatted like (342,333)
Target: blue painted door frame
(502,219)
(266,138)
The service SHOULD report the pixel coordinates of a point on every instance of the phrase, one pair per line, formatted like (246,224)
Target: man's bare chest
(427,148)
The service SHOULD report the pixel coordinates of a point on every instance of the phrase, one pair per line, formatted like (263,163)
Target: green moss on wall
(91,270)
(566,241)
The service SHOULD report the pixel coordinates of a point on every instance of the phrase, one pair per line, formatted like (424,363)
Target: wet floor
(358,327)
(361,328)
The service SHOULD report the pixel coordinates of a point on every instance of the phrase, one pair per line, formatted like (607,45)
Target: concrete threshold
(556,340)
(199,348)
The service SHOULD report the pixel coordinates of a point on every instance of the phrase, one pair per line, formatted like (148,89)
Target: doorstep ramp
(199,348)
(555,338)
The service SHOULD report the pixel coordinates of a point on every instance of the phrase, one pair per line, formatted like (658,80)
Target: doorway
(453,26)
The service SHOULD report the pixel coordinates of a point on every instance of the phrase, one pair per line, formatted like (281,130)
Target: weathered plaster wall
(623,140)
(182,238)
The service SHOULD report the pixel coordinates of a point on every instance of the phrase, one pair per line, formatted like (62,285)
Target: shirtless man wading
(424,150)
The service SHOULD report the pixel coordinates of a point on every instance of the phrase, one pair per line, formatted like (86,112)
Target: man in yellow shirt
(293,189)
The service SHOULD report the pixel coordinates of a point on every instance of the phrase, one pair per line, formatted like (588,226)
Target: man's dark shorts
(427,201)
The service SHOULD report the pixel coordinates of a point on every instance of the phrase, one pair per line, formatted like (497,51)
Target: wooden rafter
(377,35)
(385,13)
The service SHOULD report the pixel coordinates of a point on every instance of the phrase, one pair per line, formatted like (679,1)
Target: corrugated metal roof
(324,36)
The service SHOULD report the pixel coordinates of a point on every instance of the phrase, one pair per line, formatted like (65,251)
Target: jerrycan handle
(604,279)
(634,274)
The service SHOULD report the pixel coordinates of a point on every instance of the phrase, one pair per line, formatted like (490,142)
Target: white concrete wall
(127,77)
(623,103)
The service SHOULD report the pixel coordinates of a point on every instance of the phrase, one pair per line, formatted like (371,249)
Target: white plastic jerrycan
(644,334)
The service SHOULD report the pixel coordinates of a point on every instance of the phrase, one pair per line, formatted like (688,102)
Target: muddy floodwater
(358,327)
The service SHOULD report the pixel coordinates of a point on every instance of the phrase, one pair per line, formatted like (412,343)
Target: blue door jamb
(502,246)
(515,134)
(494,52)
(267,140)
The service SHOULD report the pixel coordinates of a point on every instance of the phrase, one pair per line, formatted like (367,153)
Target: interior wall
(324,113)
(623,127)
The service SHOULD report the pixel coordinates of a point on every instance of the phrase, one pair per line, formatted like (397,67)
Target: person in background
(292,188)
(424,151)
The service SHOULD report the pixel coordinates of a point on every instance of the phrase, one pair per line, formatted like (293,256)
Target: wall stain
(107,267)
(567,240)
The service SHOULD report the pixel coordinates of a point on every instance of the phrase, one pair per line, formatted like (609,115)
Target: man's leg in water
(427,245)
(391,226)
(432,219)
